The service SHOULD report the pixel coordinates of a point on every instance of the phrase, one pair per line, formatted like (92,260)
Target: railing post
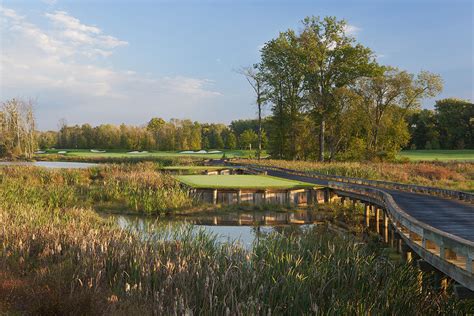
(442,251)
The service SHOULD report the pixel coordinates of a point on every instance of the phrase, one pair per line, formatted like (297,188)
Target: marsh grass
(75,262)
(450,175)
(137,188)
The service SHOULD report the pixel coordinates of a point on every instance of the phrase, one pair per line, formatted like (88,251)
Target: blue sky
(128,61)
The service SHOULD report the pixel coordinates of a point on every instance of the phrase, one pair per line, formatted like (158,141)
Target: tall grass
(450,175)
(72,261)
(136,187)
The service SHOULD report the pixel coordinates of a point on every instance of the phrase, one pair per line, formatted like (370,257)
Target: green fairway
(124,154)
(441,155)
(241,182)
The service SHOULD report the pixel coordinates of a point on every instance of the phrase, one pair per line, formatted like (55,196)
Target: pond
(50,164)
(242,227)
(246,227)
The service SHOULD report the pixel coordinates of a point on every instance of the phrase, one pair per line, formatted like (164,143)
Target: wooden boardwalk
(451,216)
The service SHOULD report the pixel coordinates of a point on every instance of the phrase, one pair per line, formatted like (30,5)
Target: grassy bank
(71,261)
(454,175)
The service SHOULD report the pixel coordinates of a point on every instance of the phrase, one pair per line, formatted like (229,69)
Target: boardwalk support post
(214,196)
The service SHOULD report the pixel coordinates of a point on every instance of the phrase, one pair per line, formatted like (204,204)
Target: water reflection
(246,227)
(243,227)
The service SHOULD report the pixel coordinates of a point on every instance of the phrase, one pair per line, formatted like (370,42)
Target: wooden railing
(458,195)
(450,254)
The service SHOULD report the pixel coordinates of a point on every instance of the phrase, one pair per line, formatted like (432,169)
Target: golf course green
(240,182)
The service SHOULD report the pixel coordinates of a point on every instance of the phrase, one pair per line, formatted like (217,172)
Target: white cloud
(87,38)
(351,29)
(58,65)
(62,18)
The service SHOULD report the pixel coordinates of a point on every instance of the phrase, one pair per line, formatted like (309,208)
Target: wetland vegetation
(60,256)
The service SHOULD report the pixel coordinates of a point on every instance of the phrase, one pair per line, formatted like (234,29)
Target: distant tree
(239,126)
(455,118)
(248,139)
(423,129)
(231,141)
(155,126)
(47,139)
(394,92)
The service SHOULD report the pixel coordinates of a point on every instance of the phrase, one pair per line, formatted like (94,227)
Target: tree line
(329,97)
(157,134)
(449,126)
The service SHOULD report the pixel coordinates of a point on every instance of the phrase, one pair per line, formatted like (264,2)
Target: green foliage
(449,126)
(231,141)
(456,123)
(327,90)
(248,139)
(157,135)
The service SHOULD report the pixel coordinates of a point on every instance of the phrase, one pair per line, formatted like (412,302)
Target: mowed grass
(241,182)
(85,153)
(441,155)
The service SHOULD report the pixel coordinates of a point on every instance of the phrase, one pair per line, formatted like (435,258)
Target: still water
(50,164)
(242,227)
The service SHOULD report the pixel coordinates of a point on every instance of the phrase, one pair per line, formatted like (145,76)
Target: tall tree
(393,89)
(257,81)
(283,71)
(333,60)
(17,128)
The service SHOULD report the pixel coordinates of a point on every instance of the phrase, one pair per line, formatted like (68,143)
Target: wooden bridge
(437,224)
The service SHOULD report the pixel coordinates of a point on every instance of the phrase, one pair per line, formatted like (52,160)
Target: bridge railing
(450,254)
(453,194)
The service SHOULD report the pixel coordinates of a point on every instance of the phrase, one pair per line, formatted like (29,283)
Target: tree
(389,90)
(17,128)
(455,119)
(155,125)
(248,139)
(231,141)
(257,81)
(283,72)
(333,60)
(424,130)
